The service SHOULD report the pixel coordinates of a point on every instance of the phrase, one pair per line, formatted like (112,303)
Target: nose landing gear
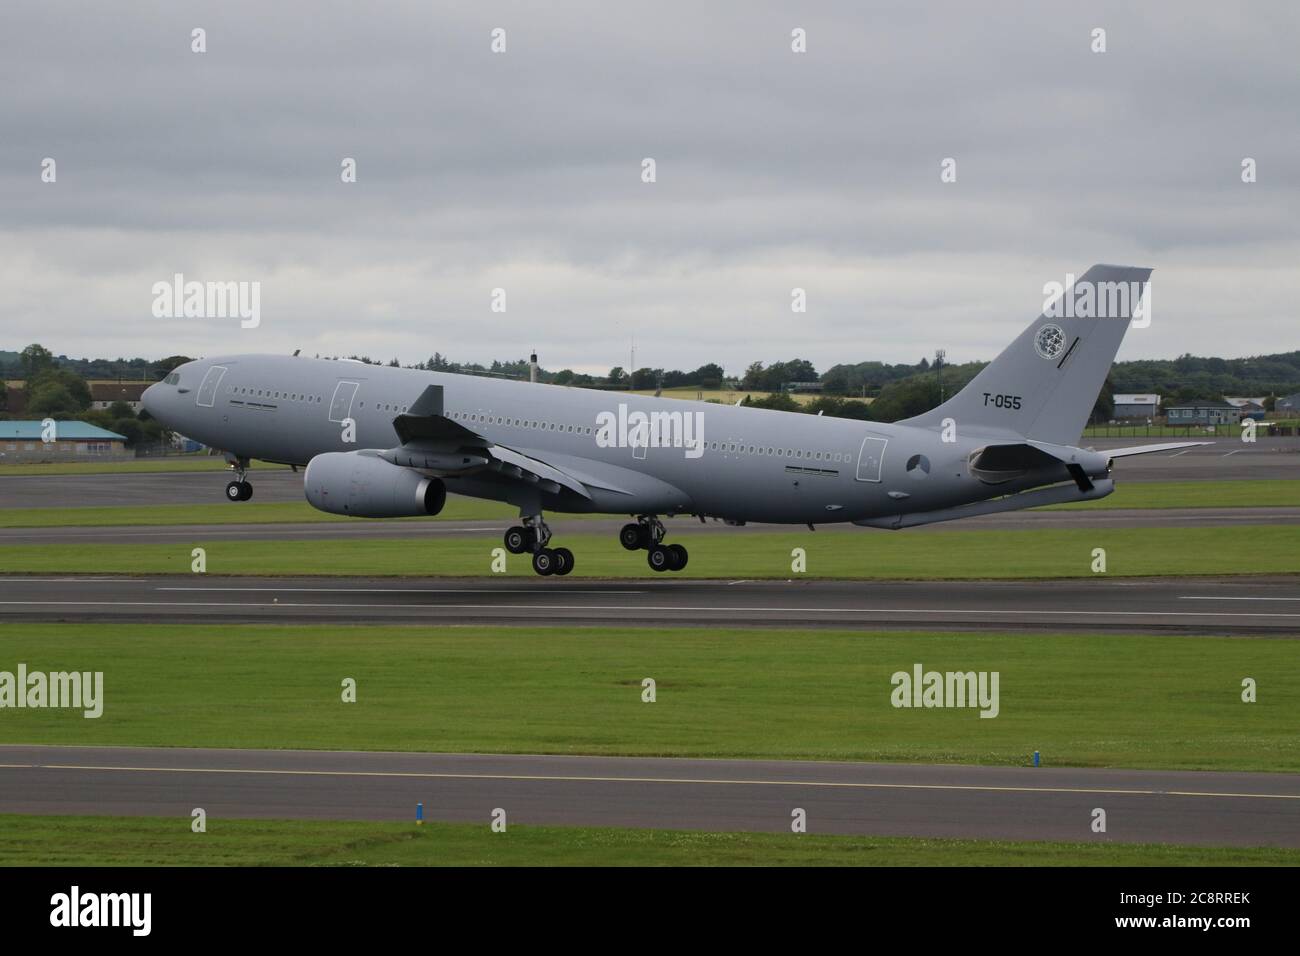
(240,489)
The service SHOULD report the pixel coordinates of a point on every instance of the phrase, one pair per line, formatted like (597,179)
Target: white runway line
(716,781)
(650,608)
(398,590)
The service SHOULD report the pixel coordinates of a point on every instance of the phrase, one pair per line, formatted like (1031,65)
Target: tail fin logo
(1049,340)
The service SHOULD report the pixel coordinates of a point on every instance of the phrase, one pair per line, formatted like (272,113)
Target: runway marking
(1183,452)
(1231,453)
(23,579)
(1081,613)
(237,530)
(401,590)
(1226,597)
(718,781)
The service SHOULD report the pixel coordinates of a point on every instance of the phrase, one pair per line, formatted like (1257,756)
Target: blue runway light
(1036,758)
(419,814)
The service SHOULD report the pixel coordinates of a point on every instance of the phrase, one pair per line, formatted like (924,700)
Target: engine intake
(363,485)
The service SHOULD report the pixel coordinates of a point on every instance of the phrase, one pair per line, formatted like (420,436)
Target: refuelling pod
(363,485)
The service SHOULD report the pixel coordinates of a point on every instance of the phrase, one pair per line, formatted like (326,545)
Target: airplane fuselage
(735,463)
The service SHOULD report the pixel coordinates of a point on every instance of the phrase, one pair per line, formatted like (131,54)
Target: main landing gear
(534,535)
(240,489)
(648,532)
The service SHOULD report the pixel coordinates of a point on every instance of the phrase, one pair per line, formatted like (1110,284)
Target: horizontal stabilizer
(1151,449)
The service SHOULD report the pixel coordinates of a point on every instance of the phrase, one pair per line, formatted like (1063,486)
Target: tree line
(870,391)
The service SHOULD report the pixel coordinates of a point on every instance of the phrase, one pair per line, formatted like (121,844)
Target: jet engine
(363,485)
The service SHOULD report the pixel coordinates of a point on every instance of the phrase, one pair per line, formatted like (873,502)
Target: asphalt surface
(1239,809)
(1224,460)
(679,529)
(1247,606)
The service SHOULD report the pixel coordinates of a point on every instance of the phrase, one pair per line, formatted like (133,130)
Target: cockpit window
(172,379)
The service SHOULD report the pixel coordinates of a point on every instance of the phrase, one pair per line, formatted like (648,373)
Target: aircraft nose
(149,399)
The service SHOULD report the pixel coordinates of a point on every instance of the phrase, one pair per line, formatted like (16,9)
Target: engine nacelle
(363,485)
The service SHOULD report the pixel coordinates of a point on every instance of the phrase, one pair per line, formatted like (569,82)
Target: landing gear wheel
(544,562)
(630,537)
(679,556)
(248,490)
(563,561)
(660,558)
(239,491)
(518,540)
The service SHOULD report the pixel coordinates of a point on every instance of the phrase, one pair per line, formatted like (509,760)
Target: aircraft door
(341,403)
(871,458)
(207,395)
(639,438)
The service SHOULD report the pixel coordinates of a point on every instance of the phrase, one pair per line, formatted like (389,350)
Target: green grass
(871,554)
(227,513)
(1190,432)
(1082,700)
(160,841)
(196,462)
(1169,494)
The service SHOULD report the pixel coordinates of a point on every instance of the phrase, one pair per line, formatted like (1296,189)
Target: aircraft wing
(433,442)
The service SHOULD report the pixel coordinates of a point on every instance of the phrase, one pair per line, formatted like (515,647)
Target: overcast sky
(522,170)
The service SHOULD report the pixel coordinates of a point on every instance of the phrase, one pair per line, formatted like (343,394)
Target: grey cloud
(522,170)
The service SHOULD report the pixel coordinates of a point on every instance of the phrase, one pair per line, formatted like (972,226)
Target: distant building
(1288,405)
(104,394)
(803,386)
(181,443)
(1248,407)
(1209,412)
(1144,407)
(72,441)
(15,398)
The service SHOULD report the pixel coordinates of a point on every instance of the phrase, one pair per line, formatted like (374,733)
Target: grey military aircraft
(383,442)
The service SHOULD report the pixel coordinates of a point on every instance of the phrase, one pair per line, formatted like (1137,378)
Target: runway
(1247,606)
(1226,459)
(679,529)
(1240,809)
